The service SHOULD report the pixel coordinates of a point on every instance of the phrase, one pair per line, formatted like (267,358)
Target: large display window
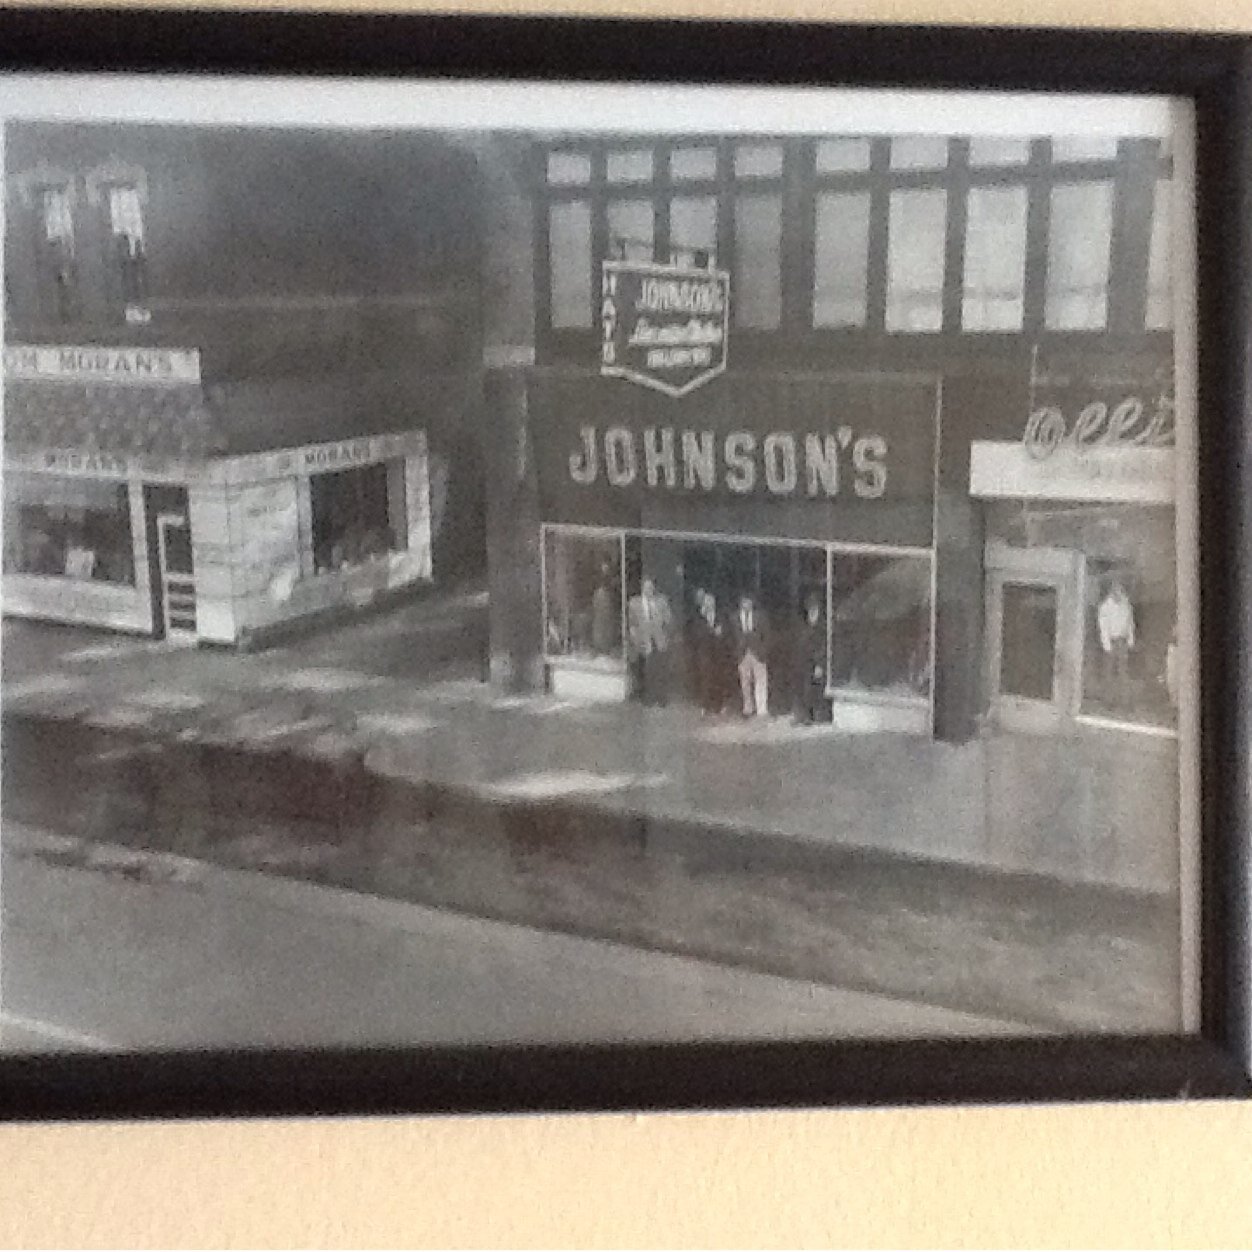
(358,515)
(1130,653)
(61,527)
(881,625)
(583,603)
(740,628)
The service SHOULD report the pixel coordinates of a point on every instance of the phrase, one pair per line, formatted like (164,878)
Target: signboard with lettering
(95,364)
(663,326)
(810,458)
(1124,421)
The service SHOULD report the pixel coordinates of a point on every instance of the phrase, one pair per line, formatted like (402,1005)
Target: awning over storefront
(165,420)
(117,427)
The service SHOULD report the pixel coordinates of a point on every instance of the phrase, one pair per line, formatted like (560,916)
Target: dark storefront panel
(783,457)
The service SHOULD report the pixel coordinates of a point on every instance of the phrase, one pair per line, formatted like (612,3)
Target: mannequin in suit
(749,631)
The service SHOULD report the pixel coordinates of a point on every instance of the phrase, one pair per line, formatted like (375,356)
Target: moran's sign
(88,364)
(663,326)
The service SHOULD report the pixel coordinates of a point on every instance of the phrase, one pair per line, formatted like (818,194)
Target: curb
(549,818)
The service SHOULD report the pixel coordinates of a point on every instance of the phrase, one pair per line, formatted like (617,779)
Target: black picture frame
(1214,71)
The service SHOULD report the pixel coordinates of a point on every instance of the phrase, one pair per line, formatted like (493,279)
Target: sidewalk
(773,847)
(1097,806)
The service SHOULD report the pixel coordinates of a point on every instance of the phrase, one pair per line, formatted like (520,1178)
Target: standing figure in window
(710,654)
(810,656)
(605,611)
(750,631)
(1115,620)
(650,622)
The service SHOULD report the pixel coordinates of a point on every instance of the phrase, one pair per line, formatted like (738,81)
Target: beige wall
(1166,1176)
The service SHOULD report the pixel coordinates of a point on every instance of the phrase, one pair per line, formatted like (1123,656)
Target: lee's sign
(742,462)
(87,364)
(1126,422)
(663,326)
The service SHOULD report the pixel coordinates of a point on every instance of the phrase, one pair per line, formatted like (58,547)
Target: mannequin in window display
(810,653)
(604,614)
(1115,620)
(750,633)
(650,622)
(710,653)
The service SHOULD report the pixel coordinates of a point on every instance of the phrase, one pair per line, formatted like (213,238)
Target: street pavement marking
(546,784)
(44,685)
(50,1030)
(324,680)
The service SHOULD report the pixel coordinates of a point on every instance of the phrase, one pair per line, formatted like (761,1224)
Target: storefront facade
(180,542)
(784,492)
(825,374)
(1081,564)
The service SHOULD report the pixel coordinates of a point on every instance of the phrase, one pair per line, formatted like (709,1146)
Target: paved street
(370,757)
(135,951)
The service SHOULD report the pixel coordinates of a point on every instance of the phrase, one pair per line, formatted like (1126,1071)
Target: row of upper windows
(57,215)
(897,282)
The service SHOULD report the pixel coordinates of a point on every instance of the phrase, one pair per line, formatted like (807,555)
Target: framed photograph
(595,565)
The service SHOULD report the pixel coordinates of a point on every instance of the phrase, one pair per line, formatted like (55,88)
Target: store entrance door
(1034,636)
(177,577)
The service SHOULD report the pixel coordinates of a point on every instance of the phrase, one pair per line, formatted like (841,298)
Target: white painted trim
(1116,723)
(1004,470)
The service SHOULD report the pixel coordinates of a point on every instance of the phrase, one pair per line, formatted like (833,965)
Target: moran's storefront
(125,508)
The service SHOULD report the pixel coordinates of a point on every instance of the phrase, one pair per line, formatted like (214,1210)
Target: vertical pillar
(973,406)
(515,660)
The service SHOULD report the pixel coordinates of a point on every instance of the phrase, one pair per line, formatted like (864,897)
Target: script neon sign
(1128,424)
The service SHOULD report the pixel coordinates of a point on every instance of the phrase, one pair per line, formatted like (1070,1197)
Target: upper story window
(895,235)
(916,255)
(993,296)
(1080,237)
(55,250)
(121,192)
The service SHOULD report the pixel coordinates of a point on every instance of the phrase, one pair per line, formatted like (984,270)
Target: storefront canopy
(194,423)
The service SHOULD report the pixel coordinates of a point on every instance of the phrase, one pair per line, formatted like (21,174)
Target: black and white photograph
(545,564)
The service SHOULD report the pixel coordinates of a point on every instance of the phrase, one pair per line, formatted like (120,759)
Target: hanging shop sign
(663,326)
(93,364)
